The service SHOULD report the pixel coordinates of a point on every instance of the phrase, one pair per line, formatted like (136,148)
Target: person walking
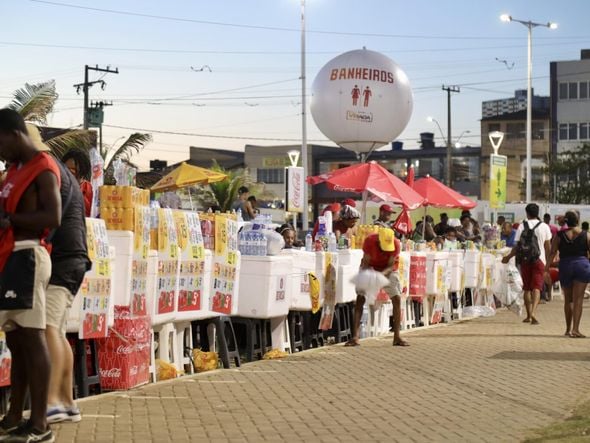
(533,244)
(381,253)
(30,206)
(573,245)
(69,263)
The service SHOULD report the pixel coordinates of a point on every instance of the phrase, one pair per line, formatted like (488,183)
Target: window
(573,90)
(493,127)
(538,131)
(573,131)
(583,90)
(515,131)
(563,91)
(466,169)
(563,131)
(271,175)
(583,131)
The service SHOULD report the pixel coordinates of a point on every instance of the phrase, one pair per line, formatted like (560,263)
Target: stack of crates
(118,203)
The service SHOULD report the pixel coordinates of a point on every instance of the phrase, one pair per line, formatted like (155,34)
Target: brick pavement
(487,379)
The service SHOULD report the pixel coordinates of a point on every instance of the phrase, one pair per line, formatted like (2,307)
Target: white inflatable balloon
(361,100)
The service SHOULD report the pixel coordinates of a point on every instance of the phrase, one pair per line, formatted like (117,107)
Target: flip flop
(526,320)
(352,343)
(577,335)
(401,343)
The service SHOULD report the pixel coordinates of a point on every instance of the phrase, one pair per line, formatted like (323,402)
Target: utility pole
(88,84)
(449,90)
(96,109)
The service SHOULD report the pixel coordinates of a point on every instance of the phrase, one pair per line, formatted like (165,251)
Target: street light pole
(529,110)
(305,159)
(449,90)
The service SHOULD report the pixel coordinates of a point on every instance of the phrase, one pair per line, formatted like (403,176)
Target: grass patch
(576,428)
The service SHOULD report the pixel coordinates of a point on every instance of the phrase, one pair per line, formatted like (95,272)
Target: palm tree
(36,101)
(226,191)
(133,145)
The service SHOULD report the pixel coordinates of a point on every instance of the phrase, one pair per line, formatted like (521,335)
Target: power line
(274,28)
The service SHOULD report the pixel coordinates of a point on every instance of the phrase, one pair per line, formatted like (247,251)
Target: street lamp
(449,148)
(530,25)
(431,120)
(305,165)
(457,144)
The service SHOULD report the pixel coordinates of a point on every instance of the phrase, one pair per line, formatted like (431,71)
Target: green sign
(95,117)
(498,171)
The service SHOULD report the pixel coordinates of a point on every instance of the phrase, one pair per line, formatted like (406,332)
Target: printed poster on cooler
(96,289)
(168,265)
(141,245)
(5,361)
(192,262)
(225,266)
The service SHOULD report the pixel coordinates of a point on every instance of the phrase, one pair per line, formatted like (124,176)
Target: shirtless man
(30,205)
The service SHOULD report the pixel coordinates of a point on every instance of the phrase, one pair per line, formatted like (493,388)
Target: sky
(225,73)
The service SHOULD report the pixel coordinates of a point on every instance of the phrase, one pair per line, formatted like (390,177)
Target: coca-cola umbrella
(403,222)
(437,194)
(370,178)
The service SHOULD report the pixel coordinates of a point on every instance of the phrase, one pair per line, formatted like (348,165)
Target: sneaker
(6,430)
(74,415)
(56,414)
(27,434)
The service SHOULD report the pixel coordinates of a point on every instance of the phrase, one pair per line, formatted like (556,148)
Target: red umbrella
(410,177)
(403,222)
(437,194)
(373,178)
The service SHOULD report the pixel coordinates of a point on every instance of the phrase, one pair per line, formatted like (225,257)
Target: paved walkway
(488,379)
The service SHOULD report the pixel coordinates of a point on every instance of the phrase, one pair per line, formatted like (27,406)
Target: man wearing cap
(381,253)
(348,202)
(243,204)
(30,206)
(385,213)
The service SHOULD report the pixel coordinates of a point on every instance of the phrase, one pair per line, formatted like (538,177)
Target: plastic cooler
(351,257)
(204,312)
(456,265)
(404,272)
(345,290)
(487,271)
(436,273)
(264,290)
(123,243)
(165,317)
(151,285)
(472,262)
(73,320)
(417,274)
(303,263)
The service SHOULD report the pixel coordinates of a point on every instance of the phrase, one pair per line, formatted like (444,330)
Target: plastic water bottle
(242,243)
(263,245)
(308,242)
(248,243)
(332,244)
(239,216)
(364,318)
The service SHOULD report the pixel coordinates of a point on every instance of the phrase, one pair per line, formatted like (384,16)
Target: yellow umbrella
(187,175)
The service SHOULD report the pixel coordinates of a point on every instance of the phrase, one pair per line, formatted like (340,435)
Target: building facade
(570,103)
(494,108)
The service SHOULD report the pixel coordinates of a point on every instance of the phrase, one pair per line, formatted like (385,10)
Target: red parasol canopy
(373,178)
(437,194)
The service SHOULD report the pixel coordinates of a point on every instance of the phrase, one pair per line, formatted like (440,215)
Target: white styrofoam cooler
(350,257)
(487,270)
(158,319)
(73,320)
(436,272)
(265,289)
(456,265)
(303,263)
(123,243)
(204,312)
(472,263)
(345,290)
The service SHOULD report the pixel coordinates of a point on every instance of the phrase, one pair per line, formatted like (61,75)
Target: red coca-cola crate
(417,276)
(124,356)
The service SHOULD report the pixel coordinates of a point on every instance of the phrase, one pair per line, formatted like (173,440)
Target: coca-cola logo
(295,189)
(124,349)
(111,373)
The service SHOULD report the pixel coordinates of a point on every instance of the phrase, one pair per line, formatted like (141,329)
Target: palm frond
(133,145)
(35,102)
(74,138)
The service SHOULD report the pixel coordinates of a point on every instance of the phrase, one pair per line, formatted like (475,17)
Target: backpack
(527,249)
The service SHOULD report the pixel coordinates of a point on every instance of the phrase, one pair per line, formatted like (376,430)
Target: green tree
(133,145)
(226,192)
(569,176)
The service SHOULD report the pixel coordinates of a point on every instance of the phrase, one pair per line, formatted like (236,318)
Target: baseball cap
(386,239)
(349,202)
(35,137)
(348,212)
(386,208)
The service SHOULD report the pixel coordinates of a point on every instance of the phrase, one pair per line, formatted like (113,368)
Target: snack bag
(166,371)
(205,361)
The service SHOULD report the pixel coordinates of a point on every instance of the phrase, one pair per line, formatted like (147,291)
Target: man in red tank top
(30,205)
(381,253)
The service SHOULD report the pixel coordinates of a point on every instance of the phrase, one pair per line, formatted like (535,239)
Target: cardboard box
(118,219)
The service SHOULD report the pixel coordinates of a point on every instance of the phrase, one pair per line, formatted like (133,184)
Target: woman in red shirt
(78,162)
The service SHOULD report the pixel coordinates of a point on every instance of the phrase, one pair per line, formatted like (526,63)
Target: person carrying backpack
(533,243)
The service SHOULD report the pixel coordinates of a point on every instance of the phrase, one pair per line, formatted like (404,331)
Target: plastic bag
(166,371)
(205,361)
(369,282)
(514,296)
(478,311)
(274,242)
